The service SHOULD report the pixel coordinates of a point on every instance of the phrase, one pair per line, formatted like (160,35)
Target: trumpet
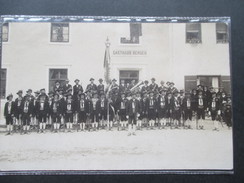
(137,85)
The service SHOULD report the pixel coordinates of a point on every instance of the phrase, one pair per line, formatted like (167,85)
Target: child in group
(42,111)
(27,111)
(9,113)
(121,106)
(69,110)
(55,112)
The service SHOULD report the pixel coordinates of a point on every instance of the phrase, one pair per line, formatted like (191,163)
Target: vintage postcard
(115,95)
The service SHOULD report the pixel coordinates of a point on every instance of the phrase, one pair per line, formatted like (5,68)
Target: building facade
(35,55)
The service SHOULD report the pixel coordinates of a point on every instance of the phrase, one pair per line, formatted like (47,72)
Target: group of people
(130,106)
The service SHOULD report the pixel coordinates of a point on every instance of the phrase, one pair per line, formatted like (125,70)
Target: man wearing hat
(43,94)
(18,102)
(50,99)
(144,108)
(228,113)
(81,107)
(100,87)
(57,87)
(176,110)
(34,118)
(121,110)
(76,88)
(145,88)
(69,111)
(169,107)
(162,108)
(9,110)
(162,87)
(94,112)
(42,108)
(91,87)
(153,86)
(132,84)
(114,87)
(172,87)
(201,107)
(122,86)
(66,87)
(102,110)
(214,110)
(27,111)
(56,112)
(133,112)
(181,99)
(152,109)
(187,108)
(29,93)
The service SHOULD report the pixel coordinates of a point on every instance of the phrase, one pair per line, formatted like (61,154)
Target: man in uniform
(42,111)
(94,112)
(92,88)
(100,87)
(57,87)
(122,86)
(18,115)
(162,87)
(228,113)
(27,111)
(81,110)
(102,110)
(176,110)
(133,112)
(152,109)
(169,106)
(66,87)
(181,99)
(144,109)
(9,110)
(121,110)
(214,110)
(34,116)
(162,108)
(201,108)
(187,108)
(76,88)
(153,86)
(145,88)
(69,111)
(56,112)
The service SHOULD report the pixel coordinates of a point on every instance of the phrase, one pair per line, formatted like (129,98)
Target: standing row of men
(98,107)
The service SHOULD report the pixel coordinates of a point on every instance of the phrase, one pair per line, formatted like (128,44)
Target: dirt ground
(114,150)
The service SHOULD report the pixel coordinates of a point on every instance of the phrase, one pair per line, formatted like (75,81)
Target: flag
(106,63)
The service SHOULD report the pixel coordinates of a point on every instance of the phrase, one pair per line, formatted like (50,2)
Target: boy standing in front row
(9,113)
(27,111)
(133,112)
(42,110)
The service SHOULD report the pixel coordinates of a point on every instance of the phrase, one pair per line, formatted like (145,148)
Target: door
(128,76)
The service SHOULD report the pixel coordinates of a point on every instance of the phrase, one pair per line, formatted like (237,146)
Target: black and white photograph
(122,94)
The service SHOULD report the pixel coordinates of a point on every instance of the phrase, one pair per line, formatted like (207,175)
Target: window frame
(3,80)
(50,80)
(52,31)
(199,39)
(130,38)
(223,41)
(4,24)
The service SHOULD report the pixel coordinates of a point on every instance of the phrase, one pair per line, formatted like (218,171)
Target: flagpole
(106,73)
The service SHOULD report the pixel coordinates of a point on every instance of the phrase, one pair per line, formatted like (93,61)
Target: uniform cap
(92,79)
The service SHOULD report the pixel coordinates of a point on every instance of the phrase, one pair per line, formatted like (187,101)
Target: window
(128,76)
(59,32)
(221,33)
(3,83)
(193,33)
(5,32)
(57,75)
(135,33)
